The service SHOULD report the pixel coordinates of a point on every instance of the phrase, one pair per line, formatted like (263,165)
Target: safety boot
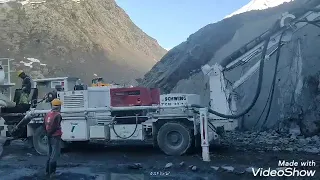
(53,167)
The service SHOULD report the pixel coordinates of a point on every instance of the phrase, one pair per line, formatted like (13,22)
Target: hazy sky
(172,21)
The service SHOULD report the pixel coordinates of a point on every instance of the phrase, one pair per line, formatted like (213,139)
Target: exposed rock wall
(295,100)
(188,57)
(296,90)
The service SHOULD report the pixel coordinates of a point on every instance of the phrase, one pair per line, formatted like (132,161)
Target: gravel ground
(144,162)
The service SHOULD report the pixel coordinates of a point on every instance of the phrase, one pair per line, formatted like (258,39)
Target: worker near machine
(26,87)
(52,122)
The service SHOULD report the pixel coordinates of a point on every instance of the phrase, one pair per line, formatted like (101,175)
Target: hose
(274,79)
(263,110)
(212,128)
(271,93)
(134,131)
(275,73)
(258,91)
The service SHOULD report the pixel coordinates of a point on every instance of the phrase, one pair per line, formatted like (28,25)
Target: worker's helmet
(56,102)
(19,73)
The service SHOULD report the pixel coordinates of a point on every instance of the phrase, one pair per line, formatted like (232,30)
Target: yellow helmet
(19,72)
(56,102)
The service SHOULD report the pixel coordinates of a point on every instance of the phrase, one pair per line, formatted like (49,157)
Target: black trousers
(54,147)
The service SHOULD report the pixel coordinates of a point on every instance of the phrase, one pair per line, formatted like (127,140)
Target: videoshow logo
(287,169)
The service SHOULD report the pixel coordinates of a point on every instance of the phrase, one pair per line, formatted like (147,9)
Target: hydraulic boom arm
(222,103)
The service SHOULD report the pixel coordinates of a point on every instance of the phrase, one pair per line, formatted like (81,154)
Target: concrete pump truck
(175,123)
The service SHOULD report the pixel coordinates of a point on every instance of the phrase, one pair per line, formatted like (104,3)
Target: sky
(171,22)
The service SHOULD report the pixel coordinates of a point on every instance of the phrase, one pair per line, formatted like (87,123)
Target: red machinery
(135,96)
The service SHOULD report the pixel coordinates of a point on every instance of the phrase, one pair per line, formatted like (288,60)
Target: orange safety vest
(49,123)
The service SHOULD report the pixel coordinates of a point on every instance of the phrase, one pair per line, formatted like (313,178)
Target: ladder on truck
(248,52)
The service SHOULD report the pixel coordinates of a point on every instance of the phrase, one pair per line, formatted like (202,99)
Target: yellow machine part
(100,84)
(96,82)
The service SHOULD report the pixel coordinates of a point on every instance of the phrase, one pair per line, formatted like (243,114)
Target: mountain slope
(76,38)
(296,95)
(258,5)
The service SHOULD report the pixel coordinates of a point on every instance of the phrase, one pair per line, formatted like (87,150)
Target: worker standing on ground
(26,87)
(52,122)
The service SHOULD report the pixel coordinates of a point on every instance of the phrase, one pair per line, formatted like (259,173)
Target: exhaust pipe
(25,120)
(5,141)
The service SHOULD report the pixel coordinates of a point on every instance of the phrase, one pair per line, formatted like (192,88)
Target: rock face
(296,95)
(75,38)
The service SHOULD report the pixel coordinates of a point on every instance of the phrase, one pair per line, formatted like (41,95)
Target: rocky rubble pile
(272,141)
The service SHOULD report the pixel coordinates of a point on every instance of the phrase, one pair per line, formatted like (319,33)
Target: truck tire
(174,138)
(40,141)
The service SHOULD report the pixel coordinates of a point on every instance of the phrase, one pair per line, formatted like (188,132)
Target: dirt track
(140,163)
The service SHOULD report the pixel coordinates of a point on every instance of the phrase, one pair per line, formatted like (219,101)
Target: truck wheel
(174,139)
(40,141)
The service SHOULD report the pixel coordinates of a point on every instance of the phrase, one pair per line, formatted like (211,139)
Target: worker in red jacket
(52,122)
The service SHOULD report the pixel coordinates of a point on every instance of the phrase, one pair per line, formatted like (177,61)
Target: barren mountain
(75,38)
(296,93)
(258,5)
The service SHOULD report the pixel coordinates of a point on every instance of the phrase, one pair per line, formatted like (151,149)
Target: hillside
(296,92)
(75,38)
